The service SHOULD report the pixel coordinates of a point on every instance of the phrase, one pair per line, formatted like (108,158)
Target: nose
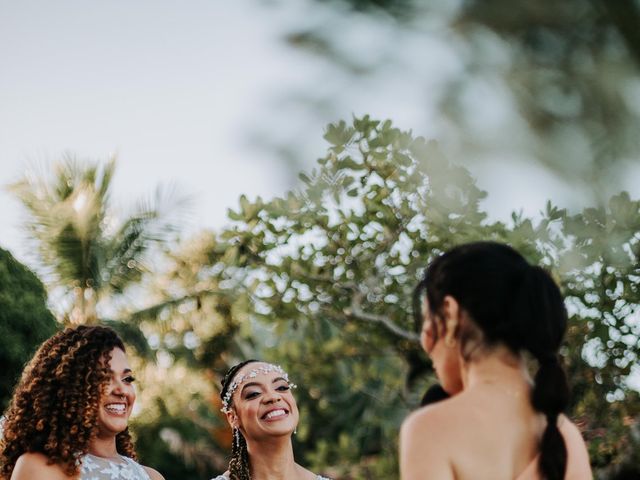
(272,397)
(116,388)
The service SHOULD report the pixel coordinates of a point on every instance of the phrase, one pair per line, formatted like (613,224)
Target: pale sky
(181,91)
(165,88)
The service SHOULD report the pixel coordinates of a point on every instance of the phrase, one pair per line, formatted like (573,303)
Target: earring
(295,431)
(236,437)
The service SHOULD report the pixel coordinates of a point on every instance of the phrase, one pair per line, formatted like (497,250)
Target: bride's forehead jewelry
(268,368)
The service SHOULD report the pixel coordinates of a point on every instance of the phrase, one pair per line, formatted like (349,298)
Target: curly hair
(54,409)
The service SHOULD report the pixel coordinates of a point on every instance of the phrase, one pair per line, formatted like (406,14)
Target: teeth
(116,407)
(275,413)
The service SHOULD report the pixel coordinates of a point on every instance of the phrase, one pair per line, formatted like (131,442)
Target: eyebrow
(256,384)
(124,372)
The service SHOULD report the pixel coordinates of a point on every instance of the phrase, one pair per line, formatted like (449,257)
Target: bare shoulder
(153,474)
(578,465)
(35,465)
(419,425)
(424,443)
(444,417)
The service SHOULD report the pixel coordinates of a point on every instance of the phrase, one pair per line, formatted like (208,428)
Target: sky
(164,89)
(195,99)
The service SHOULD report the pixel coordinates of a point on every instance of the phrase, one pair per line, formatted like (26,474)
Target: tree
(326,274)
(25,321)
(83,247)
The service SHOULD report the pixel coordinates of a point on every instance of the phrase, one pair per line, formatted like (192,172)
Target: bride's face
(263,404)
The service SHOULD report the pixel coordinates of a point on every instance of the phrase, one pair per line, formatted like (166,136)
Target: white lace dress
(96,468)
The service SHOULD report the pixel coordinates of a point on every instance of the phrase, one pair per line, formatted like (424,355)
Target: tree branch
(154,310)
(355,311)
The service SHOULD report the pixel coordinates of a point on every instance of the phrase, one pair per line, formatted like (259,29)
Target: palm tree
(92,258)
(84,249)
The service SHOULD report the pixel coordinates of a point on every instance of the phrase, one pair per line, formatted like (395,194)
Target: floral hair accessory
(268,368)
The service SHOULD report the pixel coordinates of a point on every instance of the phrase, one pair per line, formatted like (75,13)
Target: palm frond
(150,226)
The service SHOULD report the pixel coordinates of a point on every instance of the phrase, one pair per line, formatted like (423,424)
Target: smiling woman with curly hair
(69,413)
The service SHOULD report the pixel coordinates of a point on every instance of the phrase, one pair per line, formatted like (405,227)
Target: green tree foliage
(600,269)
(321,281)
(85,249)
(25,321)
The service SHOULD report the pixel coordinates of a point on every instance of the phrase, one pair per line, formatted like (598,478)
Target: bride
(261,410)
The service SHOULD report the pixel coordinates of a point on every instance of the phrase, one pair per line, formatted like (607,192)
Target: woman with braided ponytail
(485,313)
(257,400)
(69,413)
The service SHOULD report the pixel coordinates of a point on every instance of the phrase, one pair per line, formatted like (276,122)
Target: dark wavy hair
(54,409)
(239,466)
(513,303)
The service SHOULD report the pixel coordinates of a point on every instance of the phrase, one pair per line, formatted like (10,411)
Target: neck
(499,366)
(104,446)
(272,459)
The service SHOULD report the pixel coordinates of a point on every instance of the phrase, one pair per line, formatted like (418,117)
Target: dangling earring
(295,431)
(449,342)
(236,437)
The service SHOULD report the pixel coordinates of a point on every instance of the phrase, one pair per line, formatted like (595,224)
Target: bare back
(488,432)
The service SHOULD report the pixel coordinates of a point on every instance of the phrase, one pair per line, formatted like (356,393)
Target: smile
(275,414)
(116,408)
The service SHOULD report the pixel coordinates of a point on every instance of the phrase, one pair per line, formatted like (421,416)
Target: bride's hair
(239,463)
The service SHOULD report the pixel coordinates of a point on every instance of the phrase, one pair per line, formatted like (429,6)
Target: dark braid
(239,466)
(550,394)
(515,304)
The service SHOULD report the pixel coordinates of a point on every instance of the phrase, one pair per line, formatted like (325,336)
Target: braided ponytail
(239,463)
(239,466)
(550,396)
(542,312)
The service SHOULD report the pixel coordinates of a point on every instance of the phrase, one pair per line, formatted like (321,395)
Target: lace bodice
(96,468)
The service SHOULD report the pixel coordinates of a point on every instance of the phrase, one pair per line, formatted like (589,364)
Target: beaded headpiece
(268,368)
